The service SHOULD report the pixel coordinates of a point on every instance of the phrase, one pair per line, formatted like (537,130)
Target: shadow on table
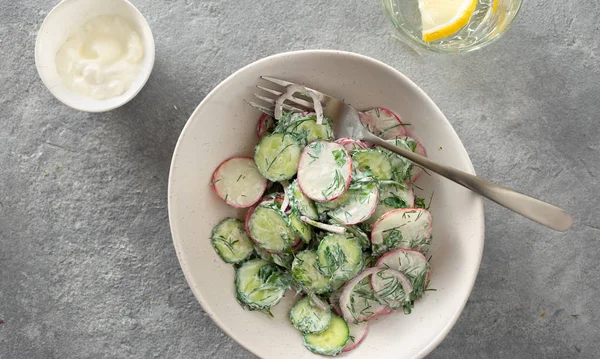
(155,117)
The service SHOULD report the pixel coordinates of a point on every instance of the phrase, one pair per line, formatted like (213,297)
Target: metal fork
(346,123)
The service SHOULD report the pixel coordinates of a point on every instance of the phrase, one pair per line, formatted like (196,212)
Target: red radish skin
(359,333)
(215,179)
(301,179)
(351,144)
(417,171)
(395,212)
(383,312)
(384,122)
(262,127)
(247,220)
(334,301)
(367,122)
(377,308)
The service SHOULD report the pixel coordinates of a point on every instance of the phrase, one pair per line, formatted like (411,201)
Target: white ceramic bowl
(61,22)
(223,126)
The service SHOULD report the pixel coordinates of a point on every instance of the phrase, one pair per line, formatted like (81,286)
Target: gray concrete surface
(87,268)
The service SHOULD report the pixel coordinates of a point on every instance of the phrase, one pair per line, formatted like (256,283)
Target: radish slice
(324,170)
(402,228)
(417,171)
(358,332)
(392,195)
(386,124)
(265,125)
(381,313)
(412,263)
(359,206)
(286,198)
(351,144)
(334,301)
(290,91)
(238,182)
(358,301)
(392,287)
(367,122)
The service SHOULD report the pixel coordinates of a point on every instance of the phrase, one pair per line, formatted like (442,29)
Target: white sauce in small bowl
(102,59)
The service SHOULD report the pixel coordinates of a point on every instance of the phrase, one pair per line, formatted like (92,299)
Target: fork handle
(532,208)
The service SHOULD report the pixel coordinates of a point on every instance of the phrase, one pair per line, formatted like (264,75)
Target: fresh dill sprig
(277,156)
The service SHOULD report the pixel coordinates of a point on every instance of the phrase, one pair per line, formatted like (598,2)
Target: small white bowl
(224,126)
(61,22)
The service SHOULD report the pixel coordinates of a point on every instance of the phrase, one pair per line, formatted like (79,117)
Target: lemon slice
(442,18)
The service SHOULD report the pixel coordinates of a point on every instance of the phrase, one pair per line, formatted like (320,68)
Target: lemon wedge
(442,18)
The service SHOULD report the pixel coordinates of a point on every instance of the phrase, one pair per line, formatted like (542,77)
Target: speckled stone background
(87,267)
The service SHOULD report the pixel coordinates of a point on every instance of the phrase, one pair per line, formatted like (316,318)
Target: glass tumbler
(482,24)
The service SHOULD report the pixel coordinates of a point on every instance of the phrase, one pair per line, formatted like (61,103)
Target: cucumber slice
(361,236)
(339,257)
(301,228)
(263,254)
(306,129)
(273,198)
(238,182)
(412,264)
(402,228)
(277,156)
(306,271)
(324,171)
(260,284)
(403,169)
(358,301)
(376,161)
(392,195)
(299,201)
(359,205)
(270,229)
(282,259)
(392,288)
(308,318)
(331,341)
(231,242)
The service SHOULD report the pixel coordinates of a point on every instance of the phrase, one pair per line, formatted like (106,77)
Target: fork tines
(287,105)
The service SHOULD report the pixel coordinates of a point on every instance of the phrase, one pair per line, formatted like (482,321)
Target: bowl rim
(172,221)
(149,50)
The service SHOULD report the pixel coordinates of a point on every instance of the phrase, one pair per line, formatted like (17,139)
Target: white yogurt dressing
(102,59)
